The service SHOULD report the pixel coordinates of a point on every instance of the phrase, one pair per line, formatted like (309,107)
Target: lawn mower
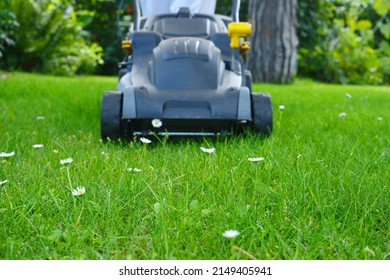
(184,75)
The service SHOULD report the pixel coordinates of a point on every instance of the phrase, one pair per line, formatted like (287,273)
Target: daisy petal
(256,159)
(66,161)
(207,150)
(79,191)
(7,155)
(37,146)
(342,115)
(133,169)
(145,140)
(156,123)
(230,234)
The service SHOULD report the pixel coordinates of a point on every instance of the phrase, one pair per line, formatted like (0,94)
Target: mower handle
(236,10)
(137,12)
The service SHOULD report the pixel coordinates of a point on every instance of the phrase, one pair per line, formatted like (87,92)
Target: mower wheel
(262,113)
(110,116)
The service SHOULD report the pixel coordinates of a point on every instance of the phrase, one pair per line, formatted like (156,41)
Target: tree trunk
(273,56)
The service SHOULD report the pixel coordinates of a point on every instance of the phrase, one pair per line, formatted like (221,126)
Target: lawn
(321,192)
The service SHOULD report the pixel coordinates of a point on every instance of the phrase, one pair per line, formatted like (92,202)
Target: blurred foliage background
(340,41)
(345,41)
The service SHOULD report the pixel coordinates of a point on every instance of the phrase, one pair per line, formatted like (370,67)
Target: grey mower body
(183,72)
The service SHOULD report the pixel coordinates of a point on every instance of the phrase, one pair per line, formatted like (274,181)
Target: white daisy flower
(145,140)
(380,119)
(207,150)
(156,123)
(104,154)
(39,118)
(348,95)
(230,234)
(7,155)
(3,182)
(342,115)
(281,107)
(157,207)
(37,146)
(133,169)
(79,191)
(256,159)
(66,161)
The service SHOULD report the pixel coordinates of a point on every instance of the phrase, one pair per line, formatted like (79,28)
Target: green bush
(50,39)
(350,43)
(79,58)
(8,25)
(350,55)
(104,31)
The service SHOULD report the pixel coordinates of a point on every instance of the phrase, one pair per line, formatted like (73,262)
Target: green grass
(322,191)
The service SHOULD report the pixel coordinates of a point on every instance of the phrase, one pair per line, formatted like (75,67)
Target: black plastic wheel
(262,116)
(110,116)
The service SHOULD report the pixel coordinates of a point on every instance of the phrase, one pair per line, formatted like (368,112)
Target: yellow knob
(127,46)
(237,30)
